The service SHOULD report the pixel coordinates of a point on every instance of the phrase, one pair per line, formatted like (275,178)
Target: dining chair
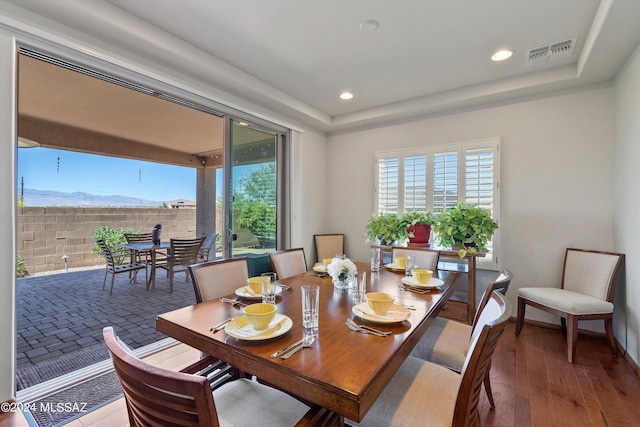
(155,396)
(214,279)
(328,245)
(585,293)
(113,268)
(288,262)
(139,238)
(182,254)
(209,243)
(447,342)
(425,393)
(425,258)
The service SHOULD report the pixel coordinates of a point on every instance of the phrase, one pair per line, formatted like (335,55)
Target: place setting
(259,321)
(380,307)
(258,286)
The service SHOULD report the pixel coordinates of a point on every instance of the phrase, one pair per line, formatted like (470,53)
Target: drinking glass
(375,259)
(310,304)
(269,287)
(359,287)
(409,264)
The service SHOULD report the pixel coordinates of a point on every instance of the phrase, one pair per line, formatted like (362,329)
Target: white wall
(627,200)
(556,178)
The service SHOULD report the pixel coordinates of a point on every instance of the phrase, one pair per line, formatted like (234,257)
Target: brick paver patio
(60,318)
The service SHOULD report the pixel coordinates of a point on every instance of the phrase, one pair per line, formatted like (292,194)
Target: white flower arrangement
(341,268)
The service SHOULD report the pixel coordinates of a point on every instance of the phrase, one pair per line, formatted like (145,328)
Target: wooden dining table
(343,370)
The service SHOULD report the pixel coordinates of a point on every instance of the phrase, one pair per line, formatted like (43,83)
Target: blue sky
(104,176)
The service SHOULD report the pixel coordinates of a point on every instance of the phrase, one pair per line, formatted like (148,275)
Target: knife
(220,325)
(287,348)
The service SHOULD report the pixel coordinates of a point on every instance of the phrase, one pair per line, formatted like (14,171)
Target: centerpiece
(341,271)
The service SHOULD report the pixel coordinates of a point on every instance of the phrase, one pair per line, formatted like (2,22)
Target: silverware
(219,326)
(287,348)
(366,328)
(410,307)
(414,290)
(284,287)
(307,341)
(234,301)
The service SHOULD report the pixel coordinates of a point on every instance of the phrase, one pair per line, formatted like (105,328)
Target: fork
(414,290)
(366,329)
(308,340)
(233,301)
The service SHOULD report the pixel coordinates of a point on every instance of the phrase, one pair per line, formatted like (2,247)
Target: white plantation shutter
(434,178)
(388,184)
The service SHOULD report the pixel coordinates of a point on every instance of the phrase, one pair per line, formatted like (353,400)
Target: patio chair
(447,342)
(209,243)
(157,396)
(113,268)
(585,293)
(183,253)
(328,245)
(288,262)
(425,393)
(214,279)
(138,238)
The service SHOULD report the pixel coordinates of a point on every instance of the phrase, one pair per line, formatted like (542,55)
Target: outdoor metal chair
(209,244)
(157,396)
(183,253)
(113,268)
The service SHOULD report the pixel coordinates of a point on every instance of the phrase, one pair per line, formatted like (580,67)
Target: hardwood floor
(533,384)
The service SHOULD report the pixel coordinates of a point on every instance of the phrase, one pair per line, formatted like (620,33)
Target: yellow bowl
(259,315)
(326,262)
(422,275)
(255,283)
(379,302)
(399,261)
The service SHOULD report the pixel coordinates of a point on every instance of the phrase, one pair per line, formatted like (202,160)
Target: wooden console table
(462,305)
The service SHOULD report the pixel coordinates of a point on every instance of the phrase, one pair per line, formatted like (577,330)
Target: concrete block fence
(45,234)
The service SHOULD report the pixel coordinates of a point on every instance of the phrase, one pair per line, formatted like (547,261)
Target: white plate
(241,329)
(396,314)
(411,281)
(245,292)
(394,267)
(320,268)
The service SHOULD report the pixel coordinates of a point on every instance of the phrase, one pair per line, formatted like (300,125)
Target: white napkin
(249,291)
(242,327)
(391,316)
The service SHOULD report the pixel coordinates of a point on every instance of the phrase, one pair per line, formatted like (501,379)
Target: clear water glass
(310,304)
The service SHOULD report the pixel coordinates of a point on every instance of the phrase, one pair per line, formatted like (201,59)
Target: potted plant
(419,225)
(467,227)
(386,229)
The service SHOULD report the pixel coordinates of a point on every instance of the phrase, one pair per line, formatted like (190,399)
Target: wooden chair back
(138,237)
(214,279)
(490,328)
(501,284)
(185,251)
(425,258)
(157,396)
(108,256)
(590,272)
(288,262)
(328,245)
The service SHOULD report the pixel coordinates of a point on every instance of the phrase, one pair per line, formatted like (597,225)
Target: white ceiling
(294,57)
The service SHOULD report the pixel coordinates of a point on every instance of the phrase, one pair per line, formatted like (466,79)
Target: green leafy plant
(21,271)
(112,238)
(467,226)
(386,228)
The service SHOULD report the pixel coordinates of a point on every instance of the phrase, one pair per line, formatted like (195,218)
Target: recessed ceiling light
(346,96)
(369,26)
(501,55)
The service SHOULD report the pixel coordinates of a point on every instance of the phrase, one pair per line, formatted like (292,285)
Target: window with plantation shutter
(435,178)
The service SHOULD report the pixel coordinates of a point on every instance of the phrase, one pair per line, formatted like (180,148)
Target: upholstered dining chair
(183,253)
(113,268)
(425,393)
(288,262)
(585,293)
(447,342)
(214,279)
(157,396)
(328,245)
(425,258)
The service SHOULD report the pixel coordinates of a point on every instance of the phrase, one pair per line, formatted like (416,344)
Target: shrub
(112,238)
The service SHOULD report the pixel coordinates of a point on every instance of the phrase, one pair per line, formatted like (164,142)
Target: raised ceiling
(292,58)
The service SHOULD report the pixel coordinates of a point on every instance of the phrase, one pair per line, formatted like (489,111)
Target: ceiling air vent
(551,52)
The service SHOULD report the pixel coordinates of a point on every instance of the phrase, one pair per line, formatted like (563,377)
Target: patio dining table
(138,247)
(343,371)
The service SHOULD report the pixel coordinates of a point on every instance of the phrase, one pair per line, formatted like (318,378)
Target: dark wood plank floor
(534,385)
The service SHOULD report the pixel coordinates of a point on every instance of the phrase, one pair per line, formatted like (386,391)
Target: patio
(60,318)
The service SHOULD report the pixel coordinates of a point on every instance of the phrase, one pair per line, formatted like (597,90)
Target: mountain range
(43,198)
